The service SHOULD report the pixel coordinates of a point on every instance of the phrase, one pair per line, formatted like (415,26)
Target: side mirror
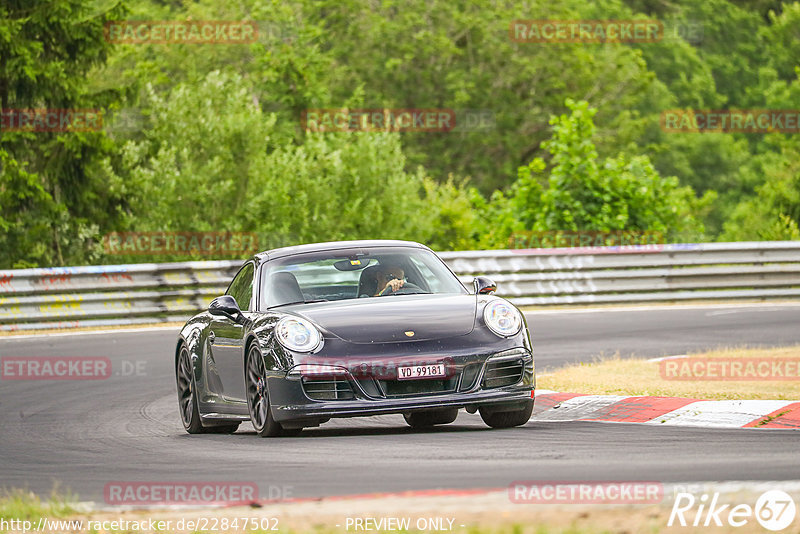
(484,285)
(225,306)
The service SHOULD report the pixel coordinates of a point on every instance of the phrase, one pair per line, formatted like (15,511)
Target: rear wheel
(495,418)
(431,417)
(258,398)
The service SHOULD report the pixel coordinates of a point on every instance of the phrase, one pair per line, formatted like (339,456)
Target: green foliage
(219,145)
(211,160)
(52,201)
(454,221)
(774,213)
(459,56)
(27,506)
(25,218)
(581,192)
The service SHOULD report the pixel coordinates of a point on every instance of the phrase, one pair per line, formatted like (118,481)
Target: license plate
(421,371)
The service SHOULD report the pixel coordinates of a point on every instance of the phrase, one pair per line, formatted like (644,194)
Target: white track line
(581,407)
(677,357)
(12,337)
(720,413)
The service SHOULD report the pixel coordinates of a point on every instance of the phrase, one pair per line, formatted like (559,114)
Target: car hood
(393,319)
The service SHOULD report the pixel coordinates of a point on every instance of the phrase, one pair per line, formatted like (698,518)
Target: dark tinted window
(241,288)
(353,274)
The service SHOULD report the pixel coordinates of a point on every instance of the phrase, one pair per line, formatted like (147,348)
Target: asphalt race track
(83,435)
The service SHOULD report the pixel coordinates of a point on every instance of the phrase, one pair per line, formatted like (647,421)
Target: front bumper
(326,410)
(290,403)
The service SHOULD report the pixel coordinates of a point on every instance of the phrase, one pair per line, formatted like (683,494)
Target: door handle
(212,336)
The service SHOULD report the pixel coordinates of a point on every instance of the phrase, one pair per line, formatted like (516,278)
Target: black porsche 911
(347,329)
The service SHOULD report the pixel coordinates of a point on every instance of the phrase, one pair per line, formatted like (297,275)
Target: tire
(506,419)
(431,417)
(258,396)
(187,399)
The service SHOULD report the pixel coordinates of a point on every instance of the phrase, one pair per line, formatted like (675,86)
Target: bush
(581,193)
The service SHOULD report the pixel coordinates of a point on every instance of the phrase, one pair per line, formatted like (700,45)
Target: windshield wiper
(297,302)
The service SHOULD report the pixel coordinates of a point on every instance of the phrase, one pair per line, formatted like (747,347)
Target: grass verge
(624,376)
(27,506)
(478,514)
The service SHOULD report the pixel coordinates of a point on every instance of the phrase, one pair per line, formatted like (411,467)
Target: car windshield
(355,273)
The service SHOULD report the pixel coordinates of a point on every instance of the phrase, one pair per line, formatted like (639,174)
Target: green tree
(53,202)
(579,191)
(774,212)
(211,160)
(459,55)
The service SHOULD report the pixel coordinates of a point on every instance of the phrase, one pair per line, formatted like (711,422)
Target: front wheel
(258,396)
(506,418)
(187,398)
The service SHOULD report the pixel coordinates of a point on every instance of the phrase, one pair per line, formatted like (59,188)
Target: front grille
(397,388)
(327,390)
(505,373)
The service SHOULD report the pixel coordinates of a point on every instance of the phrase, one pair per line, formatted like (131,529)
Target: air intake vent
(505,373)
(402,388)
(470,375)
(328,390)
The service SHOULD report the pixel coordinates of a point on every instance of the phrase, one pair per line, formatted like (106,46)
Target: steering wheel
(407,289)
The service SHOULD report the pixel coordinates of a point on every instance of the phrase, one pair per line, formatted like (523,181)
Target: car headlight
(502,318)
(297,334)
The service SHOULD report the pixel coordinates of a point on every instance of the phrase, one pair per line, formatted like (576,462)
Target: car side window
(241,289)
(432,282)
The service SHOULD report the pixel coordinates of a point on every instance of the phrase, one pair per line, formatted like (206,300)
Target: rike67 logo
(774,510)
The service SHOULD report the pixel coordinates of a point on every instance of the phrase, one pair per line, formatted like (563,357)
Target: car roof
(335,245)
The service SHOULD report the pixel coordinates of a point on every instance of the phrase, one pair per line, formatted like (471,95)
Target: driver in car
(390,279)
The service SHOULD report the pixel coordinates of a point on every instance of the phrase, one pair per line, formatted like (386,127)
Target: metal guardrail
(69,297)
(65,297)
